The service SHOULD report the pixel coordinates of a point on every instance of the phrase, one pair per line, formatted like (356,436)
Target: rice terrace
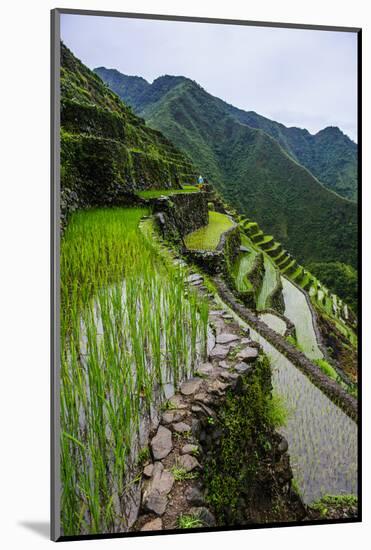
(208,311)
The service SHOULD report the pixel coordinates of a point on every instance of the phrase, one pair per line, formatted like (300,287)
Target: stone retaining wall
(182,213)
(216,261)
(189,431)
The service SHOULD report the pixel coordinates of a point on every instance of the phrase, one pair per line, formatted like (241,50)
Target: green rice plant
(208,237)
(327,369)
(277,411)
(127,328)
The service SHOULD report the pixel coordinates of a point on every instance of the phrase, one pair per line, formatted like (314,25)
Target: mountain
(253,171)
(330,155)
(106,150)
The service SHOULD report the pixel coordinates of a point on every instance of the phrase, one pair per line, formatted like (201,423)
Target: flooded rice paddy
(322,438)
(274,322)
(299,313)
(269,283)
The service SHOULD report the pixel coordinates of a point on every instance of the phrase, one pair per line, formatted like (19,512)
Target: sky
(299,77)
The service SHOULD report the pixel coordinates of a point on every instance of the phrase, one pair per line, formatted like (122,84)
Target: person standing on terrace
(200,182)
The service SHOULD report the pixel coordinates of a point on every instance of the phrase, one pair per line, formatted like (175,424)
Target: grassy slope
(105,148)
(258,177)
(154,193)
(208,237)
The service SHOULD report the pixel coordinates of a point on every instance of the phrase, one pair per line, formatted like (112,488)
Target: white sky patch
(298,77)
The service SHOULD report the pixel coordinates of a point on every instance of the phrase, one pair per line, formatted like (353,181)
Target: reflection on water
(322,438)
(299,313)
(268,285)
(274,322)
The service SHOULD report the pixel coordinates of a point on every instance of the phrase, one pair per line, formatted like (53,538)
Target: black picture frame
(55,271)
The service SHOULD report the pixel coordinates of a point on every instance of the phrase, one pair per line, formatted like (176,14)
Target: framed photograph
(206,193)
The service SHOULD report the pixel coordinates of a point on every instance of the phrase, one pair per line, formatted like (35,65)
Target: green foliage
(107,151)
(327,368)
(342,279)
(208,237)
(117,348)
(246,420)
(181,474)
(277,412)
(189,521)
(254,174)
(155,193)
(334,502)
(330,155)
(143,456)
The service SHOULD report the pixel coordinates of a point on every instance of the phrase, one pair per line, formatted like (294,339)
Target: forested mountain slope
(107,150)
(254,172)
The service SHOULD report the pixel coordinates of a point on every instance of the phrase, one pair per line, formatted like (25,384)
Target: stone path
(172,484)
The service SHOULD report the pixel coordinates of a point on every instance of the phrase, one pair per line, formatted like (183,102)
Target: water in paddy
(274,322)
(298,311)
(269,284)
(322,438)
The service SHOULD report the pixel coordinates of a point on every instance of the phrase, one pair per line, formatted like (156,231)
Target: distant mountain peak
(330,155)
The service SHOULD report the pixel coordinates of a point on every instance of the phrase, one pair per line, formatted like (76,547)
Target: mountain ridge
(255,173)
(335,168)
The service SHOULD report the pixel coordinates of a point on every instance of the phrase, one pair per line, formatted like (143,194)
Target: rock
(283,446)
(172,416)
(190,386)
(196,409)
(245,341)
(248,354)
(216,312)
(181,427)
(219,352)
(227,316)
(194,277)
(227,376)
(162,480)
(163,483)
(194,496)
(217,387)
(160,485)
(203,398)
(148,470)
(206,409)
(189,449)
(207,518)
(162,443)
(206,369)
(223,364)
(196,426)
(188,462)
(153,525)
(155,502)
(177,402)
(226,338)
(242,368)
